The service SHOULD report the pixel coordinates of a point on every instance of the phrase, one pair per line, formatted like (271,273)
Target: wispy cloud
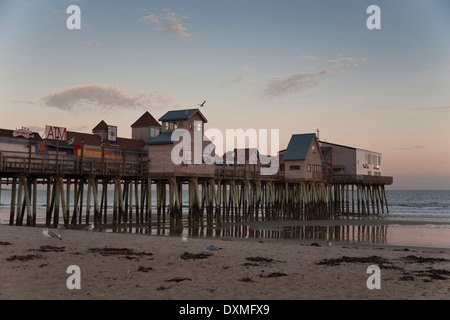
(294,83)
(409,148)
(104,97)
(436,109)
(169,23)
(309,57)
(342,64)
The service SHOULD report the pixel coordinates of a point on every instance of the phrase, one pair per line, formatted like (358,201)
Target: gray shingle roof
(180,115)
(298,146)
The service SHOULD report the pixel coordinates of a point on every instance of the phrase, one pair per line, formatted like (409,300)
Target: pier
(231,194)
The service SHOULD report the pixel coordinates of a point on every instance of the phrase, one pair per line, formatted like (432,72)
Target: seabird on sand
(51,234)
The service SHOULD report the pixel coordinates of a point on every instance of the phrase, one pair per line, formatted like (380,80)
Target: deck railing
(63,164)
(23,163)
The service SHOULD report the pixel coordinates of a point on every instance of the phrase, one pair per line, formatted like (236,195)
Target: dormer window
(171,125)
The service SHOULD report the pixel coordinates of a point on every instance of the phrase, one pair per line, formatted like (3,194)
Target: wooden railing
(364,179)
(51,164)
(23,163)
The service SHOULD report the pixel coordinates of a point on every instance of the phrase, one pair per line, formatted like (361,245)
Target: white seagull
(51,234)
(89,227)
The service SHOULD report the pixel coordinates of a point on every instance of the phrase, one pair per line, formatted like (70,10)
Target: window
(198,125)
(166,126)
(156,132)
(294,167)
(379,160)
(309,168)
(152,132)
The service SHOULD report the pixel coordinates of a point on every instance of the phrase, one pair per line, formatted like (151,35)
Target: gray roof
(178,115)
(298,146)
(167,137)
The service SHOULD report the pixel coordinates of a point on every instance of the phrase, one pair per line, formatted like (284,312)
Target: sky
(292,65)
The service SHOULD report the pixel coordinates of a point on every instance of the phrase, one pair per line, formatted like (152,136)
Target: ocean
(415,218)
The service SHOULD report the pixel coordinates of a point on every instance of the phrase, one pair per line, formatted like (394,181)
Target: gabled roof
(95,140)
(102,126)
(186,114)
(298,146)
(162,138)
(146,120)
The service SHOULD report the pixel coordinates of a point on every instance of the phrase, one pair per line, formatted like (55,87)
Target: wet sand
(134,266)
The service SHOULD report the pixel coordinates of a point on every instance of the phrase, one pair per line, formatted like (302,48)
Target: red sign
(24,132)
(55,133)
(365,166)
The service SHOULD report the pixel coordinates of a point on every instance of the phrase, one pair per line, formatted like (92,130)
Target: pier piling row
(206,201)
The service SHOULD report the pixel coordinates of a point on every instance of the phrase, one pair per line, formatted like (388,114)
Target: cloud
(409,148)
(169,23)
(294,83)
(105,97)
(436,109)
(92,44)
(24,101)
(314,58)
(341,63)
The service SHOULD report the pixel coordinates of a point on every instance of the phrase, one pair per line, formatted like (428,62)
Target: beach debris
(161,287)
(247,279)
(5,243)
(407,277)
(211,247)
(315,244)
(273,275)
(372,259)
(178,279)
(431,274)
(118,251)
(144,269)
(416,259)
(51,234)
(193,256)
(263,260)
(49,248)
(24,258)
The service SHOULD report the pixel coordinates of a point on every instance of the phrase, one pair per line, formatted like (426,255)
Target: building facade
(345,160)
(302,159)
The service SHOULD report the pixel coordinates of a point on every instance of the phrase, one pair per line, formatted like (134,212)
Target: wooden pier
(77,194)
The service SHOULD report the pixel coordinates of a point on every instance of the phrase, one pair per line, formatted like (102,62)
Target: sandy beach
(134,266)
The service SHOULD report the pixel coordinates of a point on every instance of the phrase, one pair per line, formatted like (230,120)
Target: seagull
(184,238)
(329,243)
(51,234)
(203,104)
(211,247)
(89,227)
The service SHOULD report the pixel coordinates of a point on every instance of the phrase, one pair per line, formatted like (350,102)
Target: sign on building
(24,132)
(55,133)
(112,133)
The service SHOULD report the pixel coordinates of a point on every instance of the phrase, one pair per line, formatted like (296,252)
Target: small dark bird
(203,104)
